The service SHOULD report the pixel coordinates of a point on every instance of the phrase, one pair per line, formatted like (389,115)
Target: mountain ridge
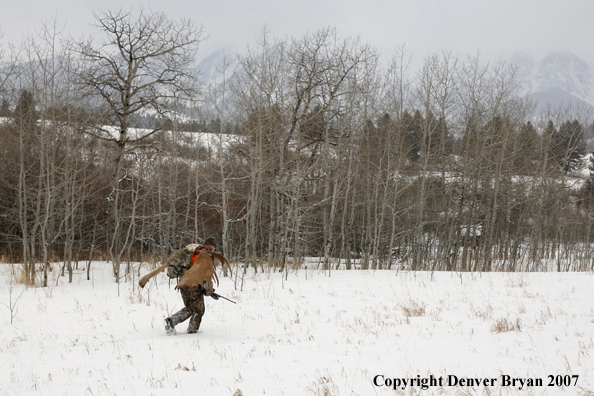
(559,78)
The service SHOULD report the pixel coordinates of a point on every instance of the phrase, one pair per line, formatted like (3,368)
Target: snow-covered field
(347,333)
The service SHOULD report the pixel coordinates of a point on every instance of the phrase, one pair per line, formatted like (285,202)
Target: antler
(222,259)
(202,270)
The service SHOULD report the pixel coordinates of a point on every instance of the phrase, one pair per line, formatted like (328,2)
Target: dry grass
(137,297)
(413,308)
(505,324)
(185,368)
(484,314)
(545,316)
(517,280)
(436,314)
(18,275)
(455,391)
(322,386)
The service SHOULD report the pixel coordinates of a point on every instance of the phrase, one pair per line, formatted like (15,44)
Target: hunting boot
(169,327)
(195,323)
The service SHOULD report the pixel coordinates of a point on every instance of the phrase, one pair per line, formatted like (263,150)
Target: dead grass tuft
(184,368)
(517,280)
(584,392)
(484,314)
(19,276)
(435,314)
(544,316)
(136,297)
(505,324)
(322,386)
(413,308)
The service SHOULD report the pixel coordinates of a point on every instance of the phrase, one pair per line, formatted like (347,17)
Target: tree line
(311,146)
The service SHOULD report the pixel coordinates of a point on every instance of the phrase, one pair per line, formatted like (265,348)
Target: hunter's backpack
(179,262)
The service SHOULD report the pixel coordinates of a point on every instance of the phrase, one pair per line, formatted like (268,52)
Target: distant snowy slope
(566,71)
(216,66)
(526,66)
(559,78)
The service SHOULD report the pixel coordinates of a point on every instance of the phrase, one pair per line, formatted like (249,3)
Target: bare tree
(142,64)
(217,98)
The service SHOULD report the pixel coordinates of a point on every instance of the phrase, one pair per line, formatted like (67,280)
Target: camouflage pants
(194,309)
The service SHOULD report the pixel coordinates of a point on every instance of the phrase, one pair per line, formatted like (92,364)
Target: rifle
(217,296)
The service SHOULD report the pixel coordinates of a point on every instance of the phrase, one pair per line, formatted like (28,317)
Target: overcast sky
(496,27)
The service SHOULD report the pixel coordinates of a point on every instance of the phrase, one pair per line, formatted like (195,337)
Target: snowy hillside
(558,78)
(215,66)
(315,333)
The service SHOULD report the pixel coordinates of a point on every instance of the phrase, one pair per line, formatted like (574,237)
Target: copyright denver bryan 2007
(504,380)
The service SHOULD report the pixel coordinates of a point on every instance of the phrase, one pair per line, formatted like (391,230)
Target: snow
(313,333)
(560,78)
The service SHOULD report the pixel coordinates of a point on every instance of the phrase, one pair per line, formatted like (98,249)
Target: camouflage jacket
(179,262)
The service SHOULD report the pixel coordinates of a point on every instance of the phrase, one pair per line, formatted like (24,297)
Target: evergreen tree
(215,125)
(526,148)
(4,108)
(437,142)
(571,144)
(25,109)
(416,134)
(586,194)
(412,134)
(430,136)
(445,139)
(494,137)
(551,149)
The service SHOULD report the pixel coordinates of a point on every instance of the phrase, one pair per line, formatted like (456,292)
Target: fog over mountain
(559,78)
(216,65)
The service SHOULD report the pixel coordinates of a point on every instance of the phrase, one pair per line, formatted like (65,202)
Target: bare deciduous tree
(143,64)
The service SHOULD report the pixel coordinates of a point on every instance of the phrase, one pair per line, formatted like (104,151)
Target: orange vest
(196,255)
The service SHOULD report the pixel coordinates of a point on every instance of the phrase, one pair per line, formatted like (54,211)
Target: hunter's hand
(215,296)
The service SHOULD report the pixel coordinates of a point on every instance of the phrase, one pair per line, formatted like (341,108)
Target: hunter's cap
(210,241)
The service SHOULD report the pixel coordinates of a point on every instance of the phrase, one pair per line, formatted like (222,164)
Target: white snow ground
(312,334)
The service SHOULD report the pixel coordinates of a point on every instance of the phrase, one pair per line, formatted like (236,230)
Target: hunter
(193,300)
